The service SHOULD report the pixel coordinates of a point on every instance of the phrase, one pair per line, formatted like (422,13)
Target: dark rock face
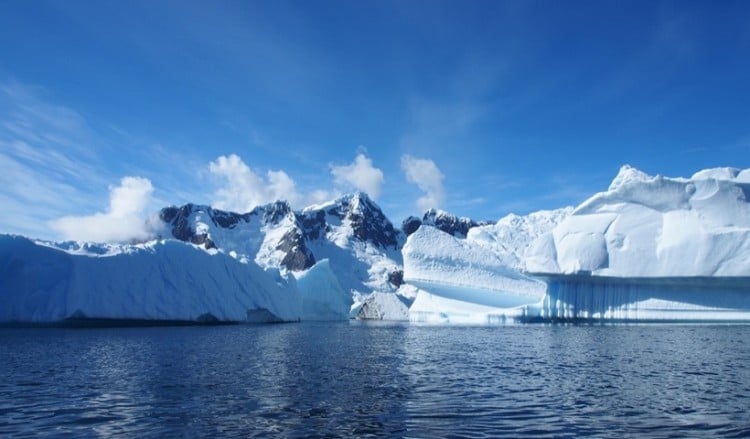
(451,224)
(396,278)
(178,218)
(297,256)
(273,213)
(367,220)
(410,225)
(226,220)
(168,214)
(313,224)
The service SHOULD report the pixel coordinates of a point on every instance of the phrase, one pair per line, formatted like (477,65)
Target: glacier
(164,280)
(651,248)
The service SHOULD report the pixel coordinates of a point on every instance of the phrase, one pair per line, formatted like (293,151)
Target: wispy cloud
(55,165)
(427,176)
(124,220)
(434,122)
(47,157)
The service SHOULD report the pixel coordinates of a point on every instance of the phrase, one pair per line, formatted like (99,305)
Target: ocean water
(366,380)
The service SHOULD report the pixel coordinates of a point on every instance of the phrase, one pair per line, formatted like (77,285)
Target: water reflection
(345,380)
(331,378)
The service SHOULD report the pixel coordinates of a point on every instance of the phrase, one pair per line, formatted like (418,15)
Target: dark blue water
(343,380)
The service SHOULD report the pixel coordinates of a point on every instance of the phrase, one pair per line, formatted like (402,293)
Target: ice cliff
(158,281)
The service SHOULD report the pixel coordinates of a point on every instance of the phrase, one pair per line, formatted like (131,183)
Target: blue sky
(480,108)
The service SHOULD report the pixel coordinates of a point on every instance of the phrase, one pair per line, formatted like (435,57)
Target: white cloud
(360,175)
(123,221)
(426,175)
(244,189)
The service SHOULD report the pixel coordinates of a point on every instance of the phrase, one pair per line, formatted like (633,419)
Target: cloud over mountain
(243,189)
(360,175)
(124,220)
(427,176)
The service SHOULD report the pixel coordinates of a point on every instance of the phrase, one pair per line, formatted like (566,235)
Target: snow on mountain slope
(269,235)
(361,245)
(160,280)
(645,226)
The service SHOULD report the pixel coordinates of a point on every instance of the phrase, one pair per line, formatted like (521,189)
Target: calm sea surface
(354,379)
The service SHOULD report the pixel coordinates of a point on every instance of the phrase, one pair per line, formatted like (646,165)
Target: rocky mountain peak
(178,218)
(274,213)
(203,225)
(368,221)
(441,220)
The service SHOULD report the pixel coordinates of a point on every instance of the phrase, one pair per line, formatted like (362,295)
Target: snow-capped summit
(361,244)
(360,216)
(270,234)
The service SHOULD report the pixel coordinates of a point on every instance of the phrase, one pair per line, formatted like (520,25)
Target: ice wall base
(609,299)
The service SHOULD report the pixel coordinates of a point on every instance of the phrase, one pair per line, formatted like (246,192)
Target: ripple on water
(342,380)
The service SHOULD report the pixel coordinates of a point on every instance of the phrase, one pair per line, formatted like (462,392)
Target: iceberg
(386,305)
(321,294)
(157,281)
(460,281)
(651,248)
